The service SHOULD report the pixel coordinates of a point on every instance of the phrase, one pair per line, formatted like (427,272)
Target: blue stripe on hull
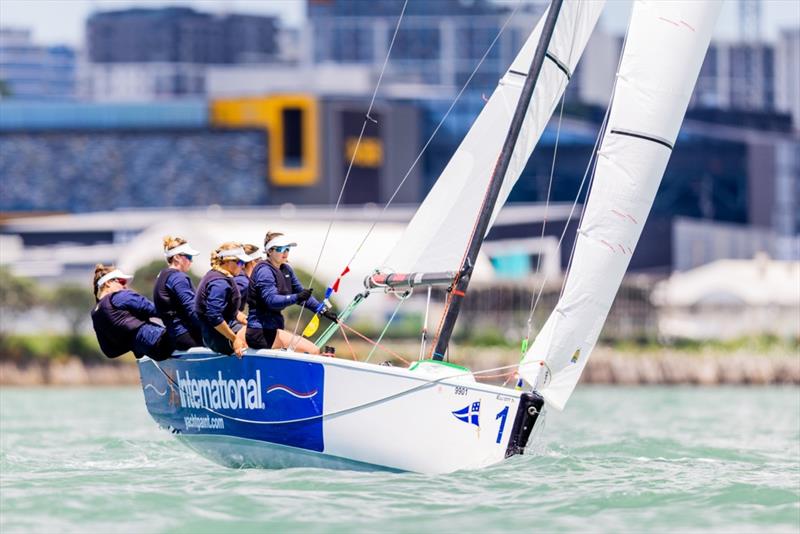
(272,400)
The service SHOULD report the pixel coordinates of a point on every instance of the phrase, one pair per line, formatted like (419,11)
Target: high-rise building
(30,71)
(740,76)
(746,75)
(179,35)
(787,74)
(438,43)
(162,53)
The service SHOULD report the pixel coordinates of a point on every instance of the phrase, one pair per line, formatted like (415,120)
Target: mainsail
(437,237)
(665,47)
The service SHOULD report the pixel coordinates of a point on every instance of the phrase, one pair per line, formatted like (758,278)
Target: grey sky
(62,21)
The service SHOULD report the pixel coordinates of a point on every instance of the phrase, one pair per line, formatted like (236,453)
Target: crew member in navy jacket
(173,295)
(243,278)
(121,318)
(273,287)
(217,301)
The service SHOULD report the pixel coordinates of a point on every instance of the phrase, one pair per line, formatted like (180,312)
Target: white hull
(315,411)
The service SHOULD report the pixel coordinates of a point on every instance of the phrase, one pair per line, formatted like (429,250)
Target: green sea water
(618,459)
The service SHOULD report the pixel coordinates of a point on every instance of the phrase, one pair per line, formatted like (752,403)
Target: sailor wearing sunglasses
(121,318)
(173,295)
(273,287)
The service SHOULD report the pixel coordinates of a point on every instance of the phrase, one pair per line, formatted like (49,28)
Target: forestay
(664,50)
(438,235)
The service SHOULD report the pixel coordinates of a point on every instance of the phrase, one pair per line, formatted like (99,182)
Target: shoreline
(607,366)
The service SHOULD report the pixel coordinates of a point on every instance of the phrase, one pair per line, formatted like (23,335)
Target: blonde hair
(269,237)
(171,242)
(216,261)
(100,271)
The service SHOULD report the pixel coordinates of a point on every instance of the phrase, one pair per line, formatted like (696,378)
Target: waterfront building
(31,71)
(150,54)
(296,148)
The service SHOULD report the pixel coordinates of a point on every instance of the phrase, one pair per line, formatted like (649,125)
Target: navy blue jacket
(120,321)
(243,283)
(217,299)
(173,296)
(271,291)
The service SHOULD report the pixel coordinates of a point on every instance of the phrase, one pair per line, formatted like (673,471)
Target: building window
(292,120)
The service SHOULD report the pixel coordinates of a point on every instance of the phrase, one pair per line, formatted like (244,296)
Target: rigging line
(368,117)
(385,328)
(572,209)
(532,307)
(435,131)
(313,417)
(349,346)
(425,325)
(368,340)
(534,301)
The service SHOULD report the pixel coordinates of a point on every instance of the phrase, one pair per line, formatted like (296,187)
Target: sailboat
(275,409)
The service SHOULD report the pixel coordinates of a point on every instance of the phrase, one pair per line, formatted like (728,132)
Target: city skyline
(64,20)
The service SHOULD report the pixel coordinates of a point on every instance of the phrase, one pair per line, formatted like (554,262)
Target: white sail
(665,47)
(437,236)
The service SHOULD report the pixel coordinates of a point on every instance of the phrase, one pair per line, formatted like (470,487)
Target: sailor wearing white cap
(275,240)
(243,278)
(121,318)
(217,301)
(173,294)
(273,287)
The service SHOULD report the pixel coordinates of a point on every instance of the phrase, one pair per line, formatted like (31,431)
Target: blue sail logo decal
(469,413)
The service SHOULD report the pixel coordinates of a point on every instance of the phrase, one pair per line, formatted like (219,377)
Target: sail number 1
(502,415)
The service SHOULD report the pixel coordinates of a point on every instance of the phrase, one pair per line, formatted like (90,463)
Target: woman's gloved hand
(330,315)
(304,295)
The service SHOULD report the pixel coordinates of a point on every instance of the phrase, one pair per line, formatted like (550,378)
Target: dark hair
(269,237)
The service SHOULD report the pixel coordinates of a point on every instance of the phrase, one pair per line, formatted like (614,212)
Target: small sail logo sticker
(469,413)
(576,356)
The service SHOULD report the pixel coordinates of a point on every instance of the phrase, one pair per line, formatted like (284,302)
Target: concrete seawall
(677,368)
(606,367)
(70,372)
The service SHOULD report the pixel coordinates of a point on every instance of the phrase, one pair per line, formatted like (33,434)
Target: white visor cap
(113,275)
(280,241)
(254,256)
(237,253)
(181,249)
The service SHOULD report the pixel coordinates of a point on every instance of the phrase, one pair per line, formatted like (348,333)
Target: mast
(458,291)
